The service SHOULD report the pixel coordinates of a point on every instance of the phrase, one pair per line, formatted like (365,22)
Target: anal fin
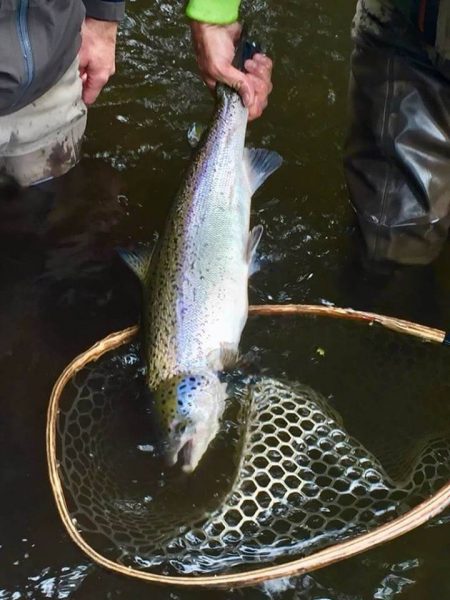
(224,357)
(253,241)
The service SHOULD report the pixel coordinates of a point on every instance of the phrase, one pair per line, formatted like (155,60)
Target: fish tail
(245,49)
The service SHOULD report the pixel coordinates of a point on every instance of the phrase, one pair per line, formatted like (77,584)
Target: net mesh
(290,480)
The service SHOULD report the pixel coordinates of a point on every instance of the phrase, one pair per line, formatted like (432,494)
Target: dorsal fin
(259,164)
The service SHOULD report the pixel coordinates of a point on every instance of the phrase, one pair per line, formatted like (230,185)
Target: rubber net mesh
(292,470)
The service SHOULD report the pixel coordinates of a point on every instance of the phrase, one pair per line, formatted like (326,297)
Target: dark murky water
(63,287)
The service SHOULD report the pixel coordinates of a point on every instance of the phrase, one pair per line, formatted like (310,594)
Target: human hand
(96,56)
(214,47)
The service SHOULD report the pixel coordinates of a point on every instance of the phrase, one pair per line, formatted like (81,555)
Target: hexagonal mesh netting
(289,480)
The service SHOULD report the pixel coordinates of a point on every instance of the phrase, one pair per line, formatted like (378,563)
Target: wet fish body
(195,286)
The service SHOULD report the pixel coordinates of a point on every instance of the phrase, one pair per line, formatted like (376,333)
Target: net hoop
(414,518)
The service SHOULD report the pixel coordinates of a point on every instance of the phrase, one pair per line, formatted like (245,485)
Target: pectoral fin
(229,355)
(259,164)
(194,134)
(224,357)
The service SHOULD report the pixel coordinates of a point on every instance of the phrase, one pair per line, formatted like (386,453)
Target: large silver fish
(195,286)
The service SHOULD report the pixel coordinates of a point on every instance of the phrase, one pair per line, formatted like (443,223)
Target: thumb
(235,30)
(238,81)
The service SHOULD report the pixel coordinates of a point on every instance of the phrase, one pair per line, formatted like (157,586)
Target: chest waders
(397,158)
(432,18)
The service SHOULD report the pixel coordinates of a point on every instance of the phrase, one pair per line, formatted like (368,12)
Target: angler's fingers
(239,82)
(90,92)
(259,105)
(210,82)
(257,108)
(260,79)
(264,61)
(262,87)
(259,64)
(93,83)
(82,73)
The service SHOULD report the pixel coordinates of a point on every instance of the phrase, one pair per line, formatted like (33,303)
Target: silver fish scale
(302,482)
(199,285)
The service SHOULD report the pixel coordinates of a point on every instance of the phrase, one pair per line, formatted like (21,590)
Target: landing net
(300,475)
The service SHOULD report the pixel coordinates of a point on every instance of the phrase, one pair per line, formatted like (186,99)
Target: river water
(64,288)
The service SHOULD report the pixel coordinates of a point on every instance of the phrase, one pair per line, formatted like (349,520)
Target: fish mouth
(186,454)
(188,436)
(183,455)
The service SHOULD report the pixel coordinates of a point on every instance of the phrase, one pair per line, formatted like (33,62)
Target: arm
(215,31)
(98,45)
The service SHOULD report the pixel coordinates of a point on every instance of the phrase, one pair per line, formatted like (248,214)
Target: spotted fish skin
(198,307)
(199,304)
(195,289)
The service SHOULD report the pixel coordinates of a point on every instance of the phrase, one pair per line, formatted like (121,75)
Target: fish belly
(215,292)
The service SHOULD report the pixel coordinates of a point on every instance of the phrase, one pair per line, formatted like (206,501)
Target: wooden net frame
(415,517)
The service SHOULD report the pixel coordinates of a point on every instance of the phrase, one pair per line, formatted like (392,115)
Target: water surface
(63,287)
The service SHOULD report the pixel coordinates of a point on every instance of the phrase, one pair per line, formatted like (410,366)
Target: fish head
(189,408)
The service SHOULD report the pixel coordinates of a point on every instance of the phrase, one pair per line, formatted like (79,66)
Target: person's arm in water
(98,45)
(215,31)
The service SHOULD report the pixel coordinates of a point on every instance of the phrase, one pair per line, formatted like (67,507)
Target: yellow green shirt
(217,12)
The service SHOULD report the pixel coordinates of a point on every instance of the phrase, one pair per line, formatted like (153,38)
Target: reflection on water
(63,288)
(59,583)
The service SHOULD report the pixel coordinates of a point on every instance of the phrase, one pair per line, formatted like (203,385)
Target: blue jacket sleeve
(105,10)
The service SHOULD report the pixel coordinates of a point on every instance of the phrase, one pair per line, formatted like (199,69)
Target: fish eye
(180,428)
